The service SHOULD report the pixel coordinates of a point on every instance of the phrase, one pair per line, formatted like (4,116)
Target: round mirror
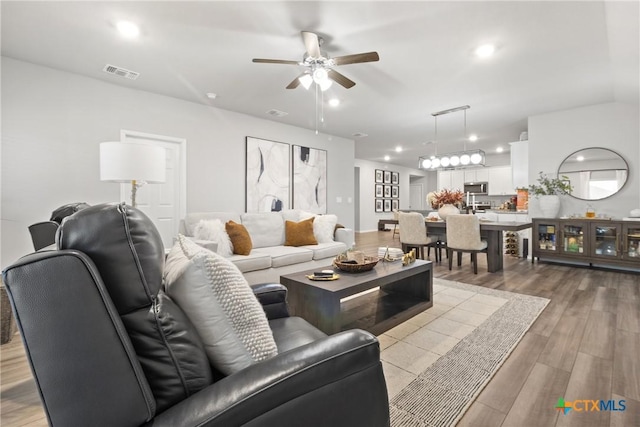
(595,173)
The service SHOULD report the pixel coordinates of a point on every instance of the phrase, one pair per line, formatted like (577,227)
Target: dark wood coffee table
(403,292)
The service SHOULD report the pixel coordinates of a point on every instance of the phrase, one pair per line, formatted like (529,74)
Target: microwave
(476,187)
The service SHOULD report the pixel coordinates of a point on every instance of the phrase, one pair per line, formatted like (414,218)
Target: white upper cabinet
(520,163)
(500,181)
(476,175)
(451,179)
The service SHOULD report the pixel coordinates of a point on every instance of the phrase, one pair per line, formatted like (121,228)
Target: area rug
(442,393)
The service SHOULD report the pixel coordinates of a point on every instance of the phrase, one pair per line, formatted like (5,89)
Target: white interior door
(164,203)
(415,197)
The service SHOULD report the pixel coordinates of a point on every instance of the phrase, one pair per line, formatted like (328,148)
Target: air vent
(122,72)
(359,135)
(276,113)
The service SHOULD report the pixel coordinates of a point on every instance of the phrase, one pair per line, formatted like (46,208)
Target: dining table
(490,231)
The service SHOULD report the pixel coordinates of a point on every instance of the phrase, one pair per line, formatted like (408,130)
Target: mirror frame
(598,148)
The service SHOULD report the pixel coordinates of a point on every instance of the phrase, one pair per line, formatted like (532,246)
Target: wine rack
(511,243)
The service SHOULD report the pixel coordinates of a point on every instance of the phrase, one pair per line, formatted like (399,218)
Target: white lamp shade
(125,162)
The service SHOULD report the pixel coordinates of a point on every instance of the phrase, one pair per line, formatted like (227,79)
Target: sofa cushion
(254,261)
(240,239)
(266,228)
(290,215)
(326,250)
(221,305)
(213,230)
(299,233)
(191,219)
(286,255)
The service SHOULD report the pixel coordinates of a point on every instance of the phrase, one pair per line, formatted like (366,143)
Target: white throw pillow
(323,226)
(219,302)
(213,230)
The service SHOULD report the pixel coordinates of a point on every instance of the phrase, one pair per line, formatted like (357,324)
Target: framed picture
(379,176)
(379,206)
(387,191)
(395,191)
(387,205)
(309,179)
(395,178)
(267,182)
(387,177)
(379,190)
(395,204)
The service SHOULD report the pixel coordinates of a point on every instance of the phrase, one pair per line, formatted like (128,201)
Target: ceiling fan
(319,67)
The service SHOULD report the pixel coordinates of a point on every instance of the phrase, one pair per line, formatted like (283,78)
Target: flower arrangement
(445,197)
(551,186)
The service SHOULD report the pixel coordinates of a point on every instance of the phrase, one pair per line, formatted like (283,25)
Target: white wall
(368,217)
(53,122)
(553,136)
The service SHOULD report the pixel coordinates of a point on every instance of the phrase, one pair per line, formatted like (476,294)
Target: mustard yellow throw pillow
(240,238)
(299,233)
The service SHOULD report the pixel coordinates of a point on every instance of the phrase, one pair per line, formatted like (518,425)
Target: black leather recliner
(107,347)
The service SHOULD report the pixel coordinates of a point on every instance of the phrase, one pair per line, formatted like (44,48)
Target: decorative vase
(549,205)
(446,210)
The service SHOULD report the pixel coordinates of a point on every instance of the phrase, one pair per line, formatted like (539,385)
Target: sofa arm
(346,236)
(273,297)
(335,381)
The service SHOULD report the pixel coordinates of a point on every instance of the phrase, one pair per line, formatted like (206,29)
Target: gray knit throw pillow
(219,302)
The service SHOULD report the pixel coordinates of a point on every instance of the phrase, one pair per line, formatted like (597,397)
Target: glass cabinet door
(573,238)
(546,236)
(606,240)
(631,239)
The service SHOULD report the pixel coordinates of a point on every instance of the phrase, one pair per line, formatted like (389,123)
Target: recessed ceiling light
(499,150)
(398,149)
(580,158)
(128,29)
(473,138)
(334,102)
(359,134)
(387,158)
(212,95)
(485,50)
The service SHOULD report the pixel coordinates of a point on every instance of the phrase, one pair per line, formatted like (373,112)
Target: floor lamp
(138,164)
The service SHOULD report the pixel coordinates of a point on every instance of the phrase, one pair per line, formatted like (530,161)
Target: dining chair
(463,235)
(43,234)
(413,234)
(395,226)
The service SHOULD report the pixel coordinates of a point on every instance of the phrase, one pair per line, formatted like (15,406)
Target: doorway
(415,197)
(165,204)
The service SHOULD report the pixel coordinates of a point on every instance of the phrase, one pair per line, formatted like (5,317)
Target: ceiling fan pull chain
(316,86)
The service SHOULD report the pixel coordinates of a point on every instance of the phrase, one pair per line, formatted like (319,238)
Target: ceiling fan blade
(311,43)
(275,61)
(356,58)
(295,83)
(340,79)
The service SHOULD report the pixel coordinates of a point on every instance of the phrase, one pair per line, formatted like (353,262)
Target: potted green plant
(547,192)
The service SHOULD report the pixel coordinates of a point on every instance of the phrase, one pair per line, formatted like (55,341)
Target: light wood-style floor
(585,345)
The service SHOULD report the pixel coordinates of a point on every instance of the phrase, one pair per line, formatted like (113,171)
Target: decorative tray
(323,278)
(369,263)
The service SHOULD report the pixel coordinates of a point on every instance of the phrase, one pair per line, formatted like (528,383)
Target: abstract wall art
(267,176)
(309,179)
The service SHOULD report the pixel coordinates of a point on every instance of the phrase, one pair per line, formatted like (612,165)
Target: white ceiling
(551,56)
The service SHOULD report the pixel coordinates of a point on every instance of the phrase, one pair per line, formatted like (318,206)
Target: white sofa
(269,258)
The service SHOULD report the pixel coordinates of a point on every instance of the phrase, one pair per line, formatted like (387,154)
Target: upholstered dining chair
(43,234)
(463,235)
(413,234)
(395,226)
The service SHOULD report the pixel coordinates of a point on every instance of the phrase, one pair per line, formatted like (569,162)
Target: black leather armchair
(108,348)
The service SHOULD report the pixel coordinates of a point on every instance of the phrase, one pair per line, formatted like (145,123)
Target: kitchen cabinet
(500,181)
(476,175)
(582,240)
(451,179)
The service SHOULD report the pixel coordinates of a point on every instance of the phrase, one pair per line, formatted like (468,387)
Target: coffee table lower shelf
(403,292)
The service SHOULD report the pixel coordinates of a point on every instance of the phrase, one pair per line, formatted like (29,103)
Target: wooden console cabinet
(589,241)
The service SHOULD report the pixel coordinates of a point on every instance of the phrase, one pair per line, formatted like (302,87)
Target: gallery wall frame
(379,190)
(267,175)
(387,191)
(309,188)
(387,205)
(395,204)
(379,207)
(395,178)
(379,177)
(387,177)
(395,192)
